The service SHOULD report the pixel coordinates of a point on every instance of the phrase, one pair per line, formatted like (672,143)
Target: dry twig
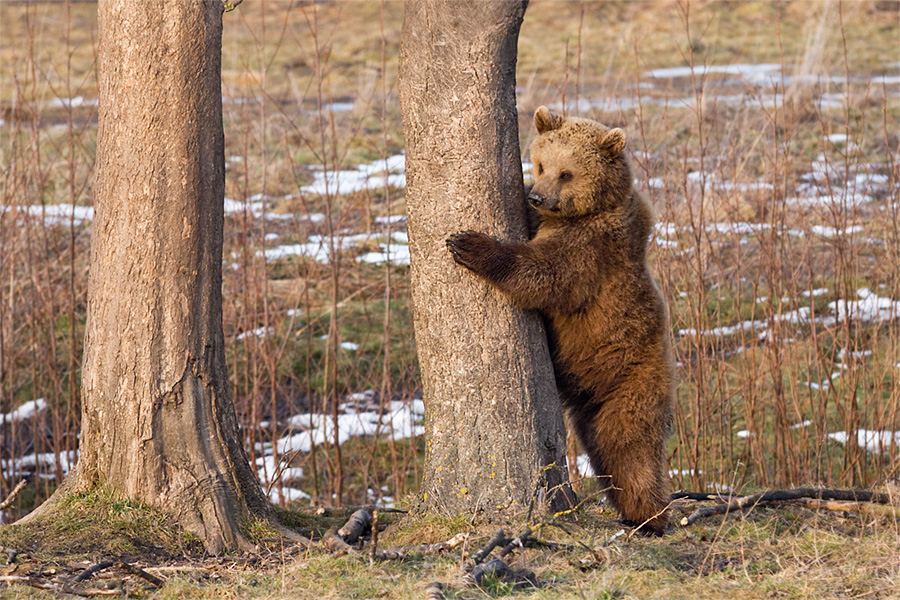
(141,573)
(325,511)
(12,495)
(374,546)
(89,572)
(422,549)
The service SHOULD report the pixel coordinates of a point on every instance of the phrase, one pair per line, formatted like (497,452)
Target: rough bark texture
(493,417)
(158,424)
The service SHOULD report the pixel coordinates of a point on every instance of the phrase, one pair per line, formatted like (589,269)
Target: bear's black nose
(536,200)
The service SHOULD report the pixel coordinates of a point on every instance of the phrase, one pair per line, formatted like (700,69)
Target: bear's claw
(464,247)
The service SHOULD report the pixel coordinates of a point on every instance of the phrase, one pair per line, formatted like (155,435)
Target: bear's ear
(544,120)
(613,142)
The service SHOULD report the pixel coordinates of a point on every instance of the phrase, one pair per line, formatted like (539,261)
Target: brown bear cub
(586,270)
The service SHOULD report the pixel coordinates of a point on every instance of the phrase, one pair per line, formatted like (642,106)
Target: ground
(769,552)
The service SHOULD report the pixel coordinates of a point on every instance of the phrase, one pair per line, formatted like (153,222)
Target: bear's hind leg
(632,455)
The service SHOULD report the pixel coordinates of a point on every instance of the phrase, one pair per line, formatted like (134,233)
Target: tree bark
(493,416)
(158,424)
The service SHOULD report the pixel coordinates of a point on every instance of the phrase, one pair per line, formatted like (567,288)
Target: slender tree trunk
(158,424)
(493,417)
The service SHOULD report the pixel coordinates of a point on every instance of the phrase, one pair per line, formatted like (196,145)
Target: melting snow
(400,417)
(758,72)
(288,493)
(826,231)
(378,174)
(71,102)
(874,442)
(583,464)
(258,332)
(55,214)
(25,411)
(869,308)
(319,249)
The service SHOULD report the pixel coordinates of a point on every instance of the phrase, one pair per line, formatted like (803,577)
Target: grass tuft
(101,523)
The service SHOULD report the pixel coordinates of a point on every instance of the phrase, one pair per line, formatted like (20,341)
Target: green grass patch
(100,523)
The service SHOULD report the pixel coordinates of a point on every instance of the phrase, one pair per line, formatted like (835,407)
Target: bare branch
(12,495)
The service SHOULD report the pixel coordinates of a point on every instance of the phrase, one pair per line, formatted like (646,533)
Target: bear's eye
(540,169)
(565,176)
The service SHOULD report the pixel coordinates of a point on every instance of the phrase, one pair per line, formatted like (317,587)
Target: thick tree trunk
(158,424)
(493,417)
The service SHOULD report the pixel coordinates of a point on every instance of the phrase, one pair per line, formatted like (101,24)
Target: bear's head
(580,166)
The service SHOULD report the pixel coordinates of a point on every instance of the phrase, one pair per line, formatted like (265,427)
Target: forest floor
(783,551)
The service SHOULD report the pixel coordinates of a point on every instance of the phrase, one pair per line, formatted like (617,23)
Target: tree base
(88,521)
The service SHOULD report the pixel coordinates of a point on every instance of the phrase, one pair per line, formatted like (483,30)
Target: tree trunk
(494,421)
(158,424)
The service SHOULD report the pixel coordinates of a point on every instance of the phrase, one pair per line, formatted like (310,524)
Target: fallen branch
(89,572)
(359,522)
(33,582)
(613,538)
(325,511)
(701,496)
(516,542)
(499,569)
(141,573)
(533,542)
(422,549)
(597,558)
(336,543)
(12,495)
(876,510)
(743,502)
(434,591)
(494,567)
(498,537)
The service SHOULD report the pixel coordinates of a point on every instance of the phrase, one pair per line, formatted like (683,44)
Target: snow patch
(378,174)
(26,411)
(874,442)
(751,72)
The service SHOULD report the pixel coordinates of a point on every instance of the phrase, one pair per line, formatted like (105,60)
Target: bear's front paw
(471,249)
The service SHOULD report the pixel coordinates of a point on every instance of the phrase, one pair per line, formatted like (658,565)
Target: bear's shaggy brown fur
(586,270)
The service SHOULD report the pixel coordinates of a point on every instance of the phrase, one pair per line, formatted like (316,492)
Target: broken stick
(357,525)
(12,495)
(492,543)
